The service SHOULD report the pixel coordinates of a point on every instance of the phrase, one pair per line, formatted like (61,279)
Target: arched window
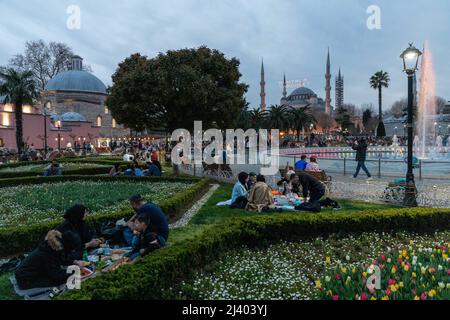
(106,110)
(99,121)
(113,123)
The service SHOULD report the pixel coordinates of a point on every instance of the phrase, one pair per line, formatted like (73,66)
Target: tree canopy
(176,88)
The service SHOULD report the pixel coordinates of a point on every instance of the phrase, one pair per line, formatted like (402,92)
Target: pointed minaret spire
(263,88)
(339,88)
(284,87)
(328,85)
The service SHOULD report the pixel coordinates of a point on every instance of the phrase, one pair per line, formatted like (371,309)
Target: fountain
(427,102)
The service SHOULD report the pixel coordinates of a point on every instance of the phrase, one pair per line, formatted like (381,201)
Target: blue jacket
(238,191)
(153,171)
(301,165)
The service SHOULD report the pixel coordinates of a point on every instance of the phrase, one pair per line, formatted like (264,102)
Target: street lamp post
(47,106)
(410,59)
(58,125)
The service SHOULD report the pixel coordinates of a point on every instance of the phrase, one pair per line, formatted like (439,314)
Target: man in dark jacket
(158,220)
(312,186)
(361,155)
(42,267)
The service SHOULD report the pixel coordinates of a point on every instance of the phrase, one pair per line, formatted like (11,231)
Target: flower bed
(417,271)
(290,270)
(166,268)
(18,239)
(28,204)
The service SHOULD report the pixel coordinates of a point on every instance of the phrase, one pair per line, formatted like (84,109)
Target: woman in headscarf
(42,267)
(75,221)
(240,192)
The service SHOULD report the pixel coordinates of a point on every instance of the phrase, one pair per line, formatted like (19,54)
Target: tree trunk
(19,127)
(380,104)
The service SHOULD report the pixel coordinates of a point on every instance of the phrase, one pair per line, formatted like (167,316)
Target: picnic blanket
(224,203)
(38,294)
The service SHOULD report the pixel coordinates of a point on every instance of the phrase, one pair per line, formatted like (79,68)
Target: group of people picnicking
(251,192)
(68,244)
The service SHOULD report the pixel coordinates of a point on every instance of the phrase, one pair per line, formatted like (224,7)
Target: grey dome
(303,91)
(73,117)
(76,80)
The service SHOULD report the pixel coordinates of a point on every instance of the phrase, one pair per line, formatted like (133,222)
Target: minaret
(284,87)
(328,86)
(263,88)
(339,90)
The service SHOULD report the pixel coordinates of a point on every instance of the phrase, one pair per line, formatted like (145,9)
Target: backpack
(310,207)
(111,232)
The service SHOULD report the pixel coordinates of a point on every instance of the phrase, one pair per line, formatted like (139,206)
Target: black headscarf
(242,177)
(75,215)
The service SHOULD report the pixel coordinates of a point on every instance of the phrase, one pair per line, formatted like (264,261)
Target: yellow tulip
(414,275)
(327,260)
(318,284)
(385,298)
(416,298)
(373,298)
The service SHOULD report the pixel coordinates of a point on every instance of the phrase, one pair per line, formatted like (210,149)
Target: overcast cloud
(291,35)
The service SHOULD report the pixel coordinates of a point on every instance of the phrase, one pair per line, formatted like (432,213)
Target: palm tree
(301,118)
(277,117)
(379,81)
(18,89)
(257,118)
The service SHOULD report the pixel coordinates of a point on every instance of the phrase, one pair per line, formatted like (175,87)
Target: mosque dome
(76,80)
(72,117)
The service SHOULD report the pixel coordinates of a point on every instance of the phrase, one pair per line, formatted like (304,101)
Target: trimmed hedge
(84,171)
(16,240)
(149,277)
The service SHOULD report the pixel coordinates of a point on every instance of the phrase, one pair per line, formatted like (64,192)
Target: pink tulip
(424,296)
(338,276)
(335,297)
(363,296)
(383,258)
(391,282)
(388,292)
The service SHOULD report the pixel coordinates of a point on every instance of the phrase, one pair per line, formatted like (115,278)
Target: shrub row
(16,240)
(82,171)
(156,276)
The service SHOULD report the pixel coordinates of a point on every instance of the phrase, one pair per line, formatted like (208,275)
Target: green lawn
(209,215)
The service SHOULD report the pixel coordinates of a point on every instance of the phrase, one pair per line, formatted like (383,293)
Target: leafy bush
(164,269)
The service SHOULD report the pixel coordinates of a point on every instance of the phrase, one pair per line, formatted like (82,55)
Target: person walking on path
(360,147)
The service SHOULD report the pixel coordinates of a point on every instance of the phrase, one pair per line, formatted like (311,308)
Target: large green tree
(379,81)
(177,88)
(18,89)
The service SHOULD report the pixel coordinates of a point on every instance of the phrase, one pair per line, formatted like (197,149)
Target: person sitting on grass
(54,169)
(115,171)
(313,165)
(251,180)
(42,267)
(146,239)
(153,170)
(260,198)
(75,221)
(240,192)
(158,221)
